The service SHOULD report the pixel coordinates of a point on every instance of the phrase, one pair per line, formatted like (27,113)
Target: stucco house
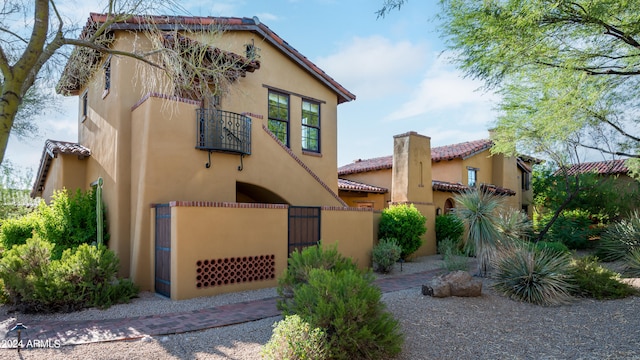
(442,171)
(209,195)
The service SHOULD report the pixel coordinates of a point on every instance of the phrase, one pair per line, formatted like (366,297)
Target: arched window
(449,205)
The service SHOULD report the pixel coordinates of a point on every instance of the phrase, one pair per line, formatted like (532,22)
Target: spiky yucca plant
(633,263)
(514,225)
(478,210)
(540,277)
(620,239)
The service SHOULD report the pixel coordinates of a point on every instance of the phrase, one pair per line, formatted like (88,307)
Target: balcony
(223,131)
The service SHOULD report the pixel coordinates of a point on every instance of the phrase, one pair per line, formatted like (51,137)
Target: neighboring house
(444,171)
(205,196)
(615,169)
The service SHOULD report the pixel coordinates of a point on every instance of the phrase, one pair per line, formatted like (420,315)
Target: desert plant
(385,255)
(405,224)
(539,277)
(85,277)
(620,238)
(301,262)
(449,227)
(632,259)
(293,338)
(347,306)
(598,282)
(514,225)
(452,257)
(477,210)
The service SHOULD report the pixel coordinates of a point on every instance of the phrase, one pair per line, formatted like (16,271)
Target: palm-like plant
(478,210)
(514,225)
(633,263)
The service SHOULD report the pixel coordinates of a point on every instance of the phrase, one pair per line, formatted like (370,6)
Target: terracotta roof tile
(51,150)
(610,167)
(460,150)
(440,153)
(457,187)
(350,185)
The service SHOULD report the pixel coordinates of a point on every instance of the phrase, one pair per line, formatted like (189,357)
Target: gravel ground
(487,327)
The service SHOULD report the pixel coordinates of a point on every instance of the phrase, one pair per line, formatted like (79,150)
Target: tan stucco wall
(205,233)
(352,230)
(65,172)
(356,199)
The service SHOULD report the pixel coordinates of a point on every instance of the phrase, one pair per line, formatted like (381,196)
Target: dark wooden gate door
(304,227)
(163,250)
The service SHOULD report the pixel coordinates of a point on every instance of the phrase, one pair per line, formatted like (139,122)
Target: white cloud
(373,67)
(443,88)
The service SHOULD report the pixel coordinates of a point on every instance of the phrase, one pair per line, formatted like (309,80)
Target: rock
(437,287)
(457,283)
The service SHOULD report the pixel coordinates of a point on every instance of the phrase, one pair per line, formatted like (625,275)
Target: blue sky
(394,65)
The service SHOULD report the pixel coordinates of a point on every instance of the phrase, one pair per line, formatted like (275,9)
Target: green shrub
(571,228)
(347,306)
(449,227)
(620,238)
(85,277)
(405,224)
(16,231)
(69,221)
(453,258)
(552,246)
(632,260)
(386,254)
(597,282)
(293,338)
(301,262)
(538,277)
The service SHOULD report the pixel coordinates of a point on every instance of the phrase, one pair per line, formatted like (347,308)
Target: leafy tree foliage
(567,70)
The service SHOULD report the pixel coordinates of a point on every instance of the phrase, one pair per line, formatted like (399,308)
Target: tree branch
(14,34)
(37,40)
(103,49)
(616,127)
(619,153)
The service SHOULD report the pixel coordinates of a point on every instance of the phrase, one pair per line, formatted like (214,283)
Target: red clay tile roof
(457,187)
(611,167)
(51,150)
(461,150)
(350,185)
(228,24)
(448,152)
(524,165)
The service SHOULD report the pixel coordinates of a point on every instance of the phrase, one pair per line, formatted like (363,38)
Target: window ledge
(311,153)
(105,93)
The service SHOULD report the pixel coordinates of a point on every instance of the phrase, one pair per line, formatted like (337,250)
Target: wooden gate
(163,250)
(304,227)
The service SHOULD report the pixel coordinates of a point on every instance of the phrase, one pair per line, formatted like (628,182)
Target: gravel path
(487,327)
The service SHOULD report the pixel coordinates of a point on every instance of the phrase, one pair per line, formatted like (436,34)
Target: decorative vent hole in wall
(227,271)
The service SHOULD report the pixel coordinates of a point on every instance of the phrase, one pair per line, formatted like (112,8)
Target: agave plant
(478,211)
(540,277)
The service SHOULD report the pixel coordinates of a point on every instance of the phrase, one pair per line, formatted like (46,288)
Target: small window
(85,104)
(472,177)
(107,76)
(310,126)
(279,116)
(526,181)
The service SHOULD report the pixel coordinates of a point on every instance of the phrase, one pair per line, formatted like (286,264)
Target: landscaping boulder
(457,283)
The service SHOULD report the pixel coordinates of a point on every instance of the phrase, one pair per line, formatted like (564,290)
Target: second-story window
(279,116)
(472,177)
(107,76)
(526,180)
(85,105)
(310,126)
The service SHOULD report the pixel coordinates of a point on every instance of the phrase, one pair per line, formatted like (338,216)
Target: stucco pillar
(411,179)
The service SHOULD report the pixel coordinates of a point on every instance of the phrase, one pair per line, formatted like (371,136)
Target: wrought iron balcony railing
(223,131)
